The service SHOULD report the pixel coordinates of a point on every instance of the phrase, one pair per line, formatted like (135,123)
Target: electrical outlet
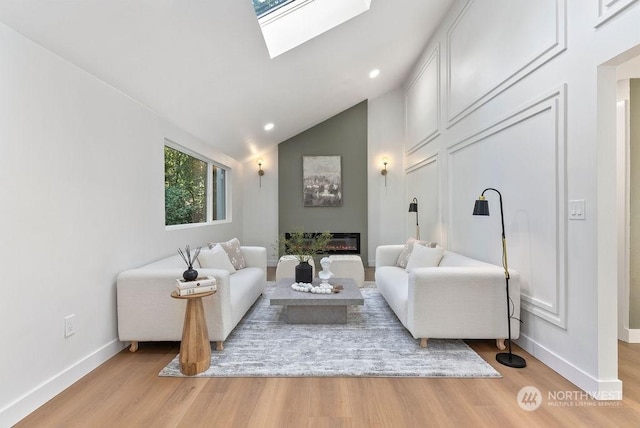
(69,325)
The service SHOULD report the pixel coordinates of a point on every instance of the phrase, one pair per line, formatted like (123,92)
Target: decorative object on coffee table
(481,207)
(190,274)
(325,274)
(304,273)
(303,246)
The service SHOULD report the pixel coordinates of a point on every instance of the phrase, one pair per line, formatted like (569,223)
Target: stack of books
(202,284)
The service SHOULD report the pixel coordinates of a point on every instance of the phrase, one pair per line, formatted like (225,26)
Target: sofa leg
(219,345)
(500,344)
(423,342)
(133,347)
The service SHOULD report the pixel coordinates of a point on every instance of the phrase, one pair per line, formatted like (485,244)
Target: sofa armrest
(479,279)
(147,312)
(476,293)
(256,257)
(387,255)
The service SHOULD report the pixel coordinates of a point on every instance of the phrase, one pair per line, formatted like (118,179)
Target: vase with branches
(190,274)
(303,246)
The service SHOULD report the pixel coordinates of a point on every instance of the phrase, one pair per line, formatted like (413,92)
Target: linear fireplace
(341,243)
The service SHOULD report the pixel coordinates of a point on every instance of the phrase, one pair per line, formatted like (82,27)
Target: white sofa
(146,311)
(461,298)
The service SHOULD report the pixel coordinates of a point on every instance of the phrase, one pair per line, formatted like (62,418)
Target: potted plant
(303,246)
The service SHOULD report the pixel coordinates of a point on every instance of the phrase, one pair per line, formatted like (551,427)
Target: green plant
(304,245)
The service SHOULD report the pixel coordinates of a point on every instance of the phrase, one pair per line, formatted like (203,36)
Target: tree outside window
(187,189)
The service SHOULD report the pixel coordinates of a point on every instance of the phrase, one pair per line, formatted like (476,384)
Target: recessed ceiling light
(374,73)
(269,126)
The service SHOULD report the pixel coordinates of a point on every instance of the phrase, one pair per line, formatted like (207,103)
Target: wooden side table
(195,348)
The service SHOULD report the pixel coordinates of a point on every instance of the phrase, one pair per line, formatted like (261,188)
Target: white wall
(386,203)
(512,104)
(81,167)
(260,199)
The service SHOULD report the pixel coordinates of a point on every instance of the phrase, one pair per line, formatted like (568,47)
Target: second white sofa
(461,298)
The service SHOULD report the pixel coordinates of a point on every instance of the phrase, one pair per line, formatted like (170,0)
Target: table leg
(195,349)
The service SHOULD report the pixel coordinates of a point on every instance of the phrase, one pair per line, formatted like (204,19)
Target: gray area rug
(372,343)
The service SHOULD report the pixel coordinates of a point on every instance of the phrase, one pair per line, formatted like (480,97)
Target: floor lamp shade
(413,208)
(481,207)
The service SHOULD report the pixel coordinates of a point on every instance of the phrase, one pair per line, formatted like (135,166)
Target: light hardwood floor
(126,392)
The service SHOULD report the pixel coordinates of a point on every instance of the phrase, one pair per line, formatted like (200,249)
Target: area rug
(373,343)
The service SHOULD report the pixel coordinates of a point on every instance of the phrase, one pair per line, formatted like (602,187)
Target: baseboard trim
(44,392)
(630,335)
(604,390)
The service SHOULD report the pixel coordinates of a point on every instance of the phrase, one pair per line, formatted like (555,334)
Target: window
(194,189)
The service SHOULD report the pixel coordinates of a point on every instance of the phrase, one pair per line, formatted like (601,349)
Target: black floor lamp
(413,208)
(482,208)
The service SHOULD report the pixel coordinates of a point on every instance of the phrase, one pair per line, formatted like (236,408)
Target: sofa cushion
(232,247)
(403,258)
(451,259)
(216,258)
(422,256)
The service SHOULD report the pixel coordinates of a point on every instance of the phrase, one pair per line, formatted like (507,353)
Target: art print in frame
(322,181)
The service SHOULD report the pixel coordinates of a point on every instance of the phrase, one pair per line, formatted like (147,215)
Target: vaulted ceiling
(204,66)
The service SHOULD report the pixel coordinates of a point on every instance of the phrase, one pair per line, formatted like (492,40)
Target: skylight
(264,7)
(286,24)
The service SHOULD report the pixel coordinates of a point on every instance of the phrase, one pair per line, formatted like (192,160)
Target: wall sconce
(260,171)
(413,208)
(385,161)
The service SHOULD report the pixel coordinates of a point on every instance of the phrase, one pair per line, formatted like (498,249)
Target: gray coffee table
(310,308)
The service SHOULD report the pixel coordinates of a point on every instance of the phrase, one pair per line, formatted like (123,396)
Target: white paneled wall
(530,144)
(512,104)
(481,64)
(422,183)
(422,98)
(607,9)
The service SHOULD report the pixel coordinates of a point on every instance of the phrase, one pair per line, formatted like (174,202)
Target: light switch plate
(577,209)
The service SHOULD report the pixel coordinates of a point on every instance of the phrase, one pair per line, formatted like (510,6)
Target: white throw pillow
(403,258)
(232,247)
(422,256)
(216,258)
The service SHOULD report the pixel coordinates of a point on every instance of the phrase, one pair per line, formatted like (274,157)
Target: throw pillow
(403,258)
(422,256)
(234,252)
(216,258)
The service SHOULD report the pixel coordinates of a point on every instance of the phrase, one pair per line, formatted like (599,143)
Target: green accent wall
(343,135)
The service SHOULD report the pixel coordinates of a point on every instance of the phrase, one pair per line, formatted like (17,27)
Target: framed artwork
(322,181)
